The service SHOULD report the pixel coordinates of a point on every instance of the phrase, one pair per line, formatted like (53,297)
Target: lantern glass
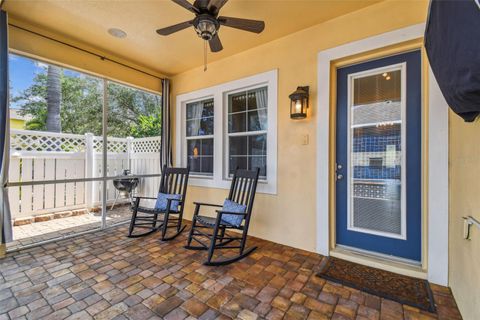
(299,103)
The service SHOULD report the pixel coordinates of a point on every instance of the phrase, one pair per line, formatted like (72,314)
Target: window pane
(238,146)
(194,163)
(240,162)
(257,145)
(199,109)
(200,127)
(257,99)
(257,120)
(207,147)
(258,162)
(200,156)
(193,147)
(237,102)
(200,118)
(206,164)
(237,122)
(208,108)
(206,127)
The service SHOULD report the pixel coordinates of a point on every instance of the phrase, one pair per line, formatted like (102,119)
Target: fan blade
(187,5)
(215,44)
(215,5)
(242,24)
(177,27)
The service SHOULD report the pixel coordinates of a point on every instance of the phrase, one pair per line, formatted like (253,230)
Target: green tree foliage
(131,112)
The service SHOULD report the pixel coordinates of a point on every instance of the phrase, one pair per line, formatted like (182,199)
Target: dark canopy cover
(452,41)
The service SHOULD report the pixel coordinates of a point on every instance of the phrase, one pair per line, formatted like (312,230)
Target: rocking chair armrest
(180,202)
(207,204)
(144,198)
(221,212)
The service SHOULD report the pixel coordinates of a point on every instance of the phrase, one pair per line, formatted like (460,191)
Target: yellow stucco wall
(289,217)
(17,124)
(464,272)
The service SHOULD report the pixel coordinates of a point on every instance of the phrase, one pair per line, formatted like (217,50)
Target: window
(199,137)
(228,126)
(247,130)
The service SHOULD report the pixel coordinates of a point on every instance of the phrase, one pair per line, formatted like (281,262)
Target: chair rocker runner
(209,233)
(174,182)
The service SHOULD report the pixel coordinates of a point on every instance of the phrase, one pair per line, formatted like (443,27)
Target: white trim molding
(437,138)
(219,93)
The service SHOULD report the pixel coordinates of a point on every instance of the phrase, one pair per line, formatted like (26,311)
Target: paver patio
(29,234)
(105,275)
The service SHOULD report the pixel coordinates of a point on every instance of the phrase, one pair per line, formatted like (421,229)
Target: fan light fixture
(206,27)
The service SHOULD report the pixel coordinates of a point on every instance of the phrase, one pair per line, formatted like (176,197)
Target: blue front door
(378,160)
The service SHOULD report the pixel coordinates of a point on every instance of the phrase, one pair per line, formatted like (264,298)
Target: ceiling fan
(207,22)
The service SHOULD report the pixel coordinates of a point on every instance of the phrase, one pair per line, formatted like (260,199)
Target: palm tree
(54,98)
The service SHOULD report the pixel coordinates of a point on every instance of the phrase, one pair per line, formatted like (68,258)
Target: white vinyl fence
(42,156)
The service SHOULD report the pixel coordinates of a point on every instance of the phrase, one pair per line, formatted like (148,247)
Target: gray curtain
(262,102)
(194,125)
(5,219)
(166,145)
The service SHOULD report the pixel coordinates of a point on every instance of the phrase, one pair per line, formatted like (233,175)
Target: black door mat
(403,289)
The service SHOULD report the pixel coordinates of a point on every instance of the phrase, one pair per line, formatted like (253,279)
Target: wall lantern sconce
(299,103)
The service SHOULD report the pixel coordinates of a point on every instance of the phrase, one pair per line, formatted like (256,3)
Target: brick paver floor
(105,275)
(32,233)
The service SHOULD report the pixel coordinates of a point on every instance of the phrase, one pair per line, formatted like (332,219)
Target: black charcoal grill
(125,186)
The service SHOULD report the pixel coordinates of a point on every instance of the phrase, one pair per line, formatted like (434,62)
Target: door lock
(339,176)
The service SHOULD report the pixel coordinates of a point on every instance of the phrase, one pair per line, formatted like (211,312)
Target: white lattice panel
(114,145)
(146,145)
(21,140)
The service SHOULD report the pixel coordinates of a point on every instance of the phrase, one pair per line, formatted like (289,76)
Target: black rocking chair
(242,191)
(174,181)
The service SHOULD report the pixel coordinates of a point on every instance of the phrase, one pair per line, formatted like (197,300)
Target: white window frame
(246,133)
(220,93)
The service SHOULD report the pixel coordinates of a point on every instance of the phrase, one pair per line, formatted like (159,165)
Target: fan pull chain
(204,55)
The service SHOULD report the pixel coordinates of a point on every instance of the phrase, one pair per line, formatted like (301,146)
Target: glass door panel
(375,158)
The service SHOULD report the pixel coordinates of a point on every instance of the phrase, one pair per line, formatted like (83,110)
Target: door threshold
(380,261)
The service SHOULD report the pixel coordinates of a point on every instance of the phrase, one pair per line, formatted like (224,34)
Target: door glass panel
(376,139)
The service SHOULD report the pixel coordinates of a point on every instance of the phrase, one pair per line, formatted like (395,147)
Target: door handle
(339,176)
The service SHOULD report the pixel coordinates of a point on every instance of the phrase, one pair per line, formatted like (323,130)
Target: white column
(90,186)
(129,152)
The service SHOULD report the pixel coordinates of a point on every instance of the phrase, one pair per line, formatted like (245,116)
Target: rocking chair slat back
(244,185)
(174,181)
